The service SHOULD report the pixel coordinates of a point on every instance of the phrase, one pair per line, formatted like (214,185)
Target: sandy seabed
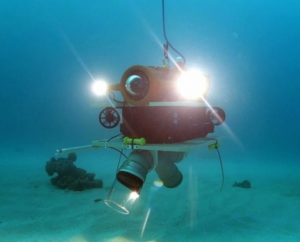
(32,210)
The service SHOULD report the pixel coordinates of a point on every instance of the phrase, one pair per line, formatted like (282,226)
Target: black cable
(117,169)
(120,151)
(113,137)
(221,165)
(113,148)
(118,165)
(216,146)
(168,43)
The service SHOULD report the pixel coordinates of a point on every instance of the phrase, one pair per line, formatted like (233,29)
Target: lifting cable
(167,43)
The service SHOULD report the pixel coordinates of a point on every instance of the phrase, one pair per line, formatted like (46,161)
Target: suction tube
(167,170)
(129,181)
(133,172)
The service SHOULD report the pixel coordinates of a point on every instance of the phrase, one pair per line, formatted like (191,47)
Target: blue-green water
(50,49)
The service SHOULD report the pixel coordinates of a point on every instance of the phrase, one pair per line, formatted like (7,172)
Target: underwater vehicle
(162,113)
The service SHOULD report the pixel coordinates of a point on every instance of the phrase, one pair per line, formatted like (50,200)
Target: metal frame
(118,144)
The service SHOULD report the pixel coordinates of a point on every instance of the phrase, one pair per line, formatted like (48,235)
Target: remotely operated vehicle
(162,113)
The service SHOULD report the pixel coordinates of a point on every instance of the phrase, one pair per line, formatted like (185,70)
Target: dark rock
(72,157)
(243,184)
(68,176)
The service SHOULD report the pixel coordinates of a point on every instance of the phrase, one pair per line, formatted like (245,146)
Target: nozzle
(167,170)
(134,170)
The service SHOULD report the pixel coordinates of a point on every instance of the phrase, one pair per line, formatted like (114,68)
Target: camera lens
(137,86)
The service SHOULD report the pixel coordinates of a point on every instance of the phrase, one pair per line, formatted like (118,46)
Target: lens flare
(145,222)
(99,87)
(192,84)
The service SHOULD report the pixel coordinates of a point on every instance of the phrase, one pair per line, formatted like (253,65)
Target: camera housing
(154,110)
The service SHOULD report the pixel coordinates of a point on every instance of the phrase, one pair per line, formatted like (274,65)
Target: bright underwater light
(120,198)
(99,87)
(133,196)
(192,84)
